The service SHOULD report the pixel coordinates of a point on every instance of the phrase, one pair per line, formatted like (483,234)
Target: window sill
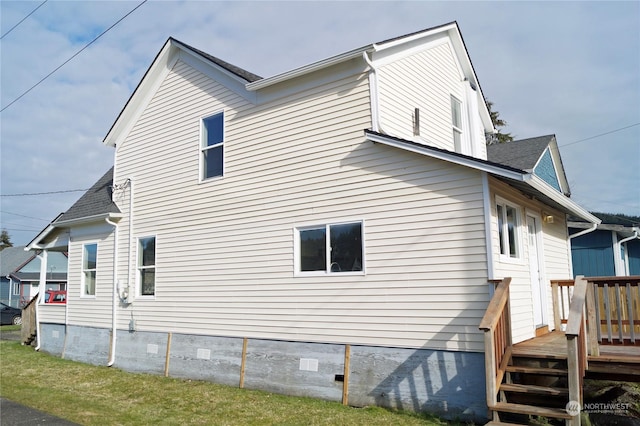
(511,260)
(328,274)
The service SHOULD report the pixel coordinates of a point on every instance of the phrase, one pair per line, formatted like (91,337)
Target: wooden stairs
(534,385)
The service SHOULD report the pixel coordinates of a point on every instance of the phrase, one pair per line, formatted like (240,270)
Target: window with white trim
(89,269)
(147,266)
(16,289)
(330,249)
(212,146)
(456,120)
(509,220)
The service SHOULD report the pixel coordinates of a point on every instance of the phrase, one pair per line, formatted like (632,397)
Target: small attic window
(456,120)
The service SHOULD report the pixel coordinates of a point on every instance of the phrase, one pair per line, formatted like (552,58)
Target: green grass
(93,395)
(10,328)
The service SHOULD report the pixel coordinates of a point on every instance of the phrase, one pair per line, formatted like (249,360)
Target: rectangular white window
(212,146)
(16,289)
(508,229)
(456,120)
(147,266)
(330,249)
(89,269)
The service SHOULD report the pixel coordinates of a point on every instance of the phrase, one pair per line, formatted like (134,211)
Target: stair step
(537,370)
(524,354)
(556,413)
(539,390)
(495,423)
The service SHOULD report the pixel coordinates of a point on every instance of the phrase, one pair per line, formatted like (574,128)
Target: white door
(537,286)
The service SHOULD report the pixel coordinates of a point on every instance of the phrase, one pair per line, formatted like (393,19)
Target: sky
(566,68)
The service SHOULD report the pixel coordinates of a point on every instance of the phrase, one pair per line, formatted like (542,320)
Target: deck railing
(28,329)
(617,309)
(496,325)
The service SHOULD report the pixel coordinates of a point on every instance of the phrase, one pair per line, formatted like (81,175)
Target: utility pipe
(375,99)
(116,296)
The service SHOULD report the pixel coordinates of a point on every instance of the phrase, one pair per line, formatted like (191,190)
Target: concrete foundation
(450,384)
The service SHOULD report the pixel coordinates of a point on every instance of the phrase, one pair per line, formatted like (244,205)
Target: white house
(329,231)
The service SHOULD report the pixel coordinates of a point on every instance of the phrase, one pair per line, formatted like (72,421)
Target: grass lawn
(94,395)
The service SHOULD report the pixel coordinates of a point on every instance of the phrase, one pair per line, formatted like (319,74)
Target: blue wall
(633,249)
(546,170)
(592,254)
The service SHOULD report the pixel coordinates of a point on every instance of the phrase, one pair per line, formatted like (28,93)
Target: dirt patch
(612,403)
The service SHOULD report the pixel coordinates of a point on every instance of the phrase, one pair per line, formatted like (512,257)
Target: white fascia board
(541,186)
(451,158)
(142,95)
(36,243)
(216,72)
(265,82)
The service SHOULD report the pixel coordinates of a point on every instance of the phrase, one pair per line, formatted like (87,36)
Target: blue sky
(566,68)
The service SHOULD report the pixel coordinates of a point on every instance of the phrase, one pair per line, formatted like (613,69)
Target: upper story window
(212,146)
(456,120)
(147,266)
(89,269)
(508,229)
(330,249)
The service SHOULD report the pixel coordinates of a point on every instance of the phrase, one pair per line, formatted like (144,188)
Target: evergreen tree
(5,240)
(498,123)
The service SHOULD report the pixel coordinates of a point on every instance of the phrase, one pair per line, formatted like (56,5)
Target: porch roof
(525,181)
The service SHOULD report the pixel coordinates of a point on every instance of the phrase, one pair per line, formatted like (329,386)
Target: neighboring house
(330,229)
(613,248)
(21,275)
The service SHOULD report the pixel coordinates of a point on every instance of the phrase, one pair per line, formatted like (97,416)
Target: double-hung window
(456,120)
(330,249)
(147,266)
(212,146)
(89,269)
(508,229)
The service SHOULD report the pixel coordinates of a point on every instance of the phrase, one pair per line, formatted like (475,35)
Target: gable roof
(12,258)
(93,206)
(246,83)
(523,180)
(95,202)
(526,154)
(522,154)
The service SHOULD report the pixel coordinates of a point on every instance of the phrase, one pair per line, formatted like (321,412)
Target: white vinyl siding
(94,311)
(556,258)
(227,256)
(425,80)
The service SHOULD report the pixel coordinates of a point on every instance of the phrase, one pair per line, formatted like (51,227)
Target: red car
(56,296)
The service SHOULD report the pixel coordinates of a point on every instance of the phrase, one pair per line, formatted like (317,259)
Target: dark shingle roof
(11,258)
(96,201)
(522,154)
(248,76)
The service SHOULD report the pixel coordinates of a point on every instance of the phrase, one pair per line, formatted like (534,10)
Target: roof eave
(316,66)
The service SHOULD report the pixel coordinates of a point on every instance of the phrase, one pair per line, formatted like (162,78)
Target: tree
(5,240)
(498,123)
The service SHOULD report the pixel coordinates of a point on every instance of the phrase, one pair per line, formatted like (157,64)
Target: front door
(537,287)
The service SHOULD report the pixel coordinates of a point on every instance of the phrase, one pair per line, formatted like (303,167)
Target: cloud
(566,68)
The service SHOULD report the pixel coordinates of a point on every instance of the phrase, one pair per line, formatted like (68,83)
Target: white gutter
(584,231)
(624,264)
(540,185)
(265,82)
(41,288)
(114,309)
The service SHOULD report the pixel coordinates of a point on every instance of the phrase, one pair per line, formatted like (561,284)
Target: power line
(21,21)
(42,193)
(601,134)
(21,215)
(73,56)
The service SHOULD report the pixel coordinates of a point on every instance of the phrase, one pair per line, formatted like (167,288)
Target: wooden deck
(616,361)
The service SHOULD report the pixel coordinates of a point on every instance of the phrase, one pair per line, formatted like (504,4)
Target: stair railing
(28,328)
(496,325)
(576,334)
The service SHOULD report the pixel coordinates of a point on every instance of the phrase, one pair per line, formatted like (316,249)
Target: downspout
(625,264)
(116,296)
(129,265)
(593,227)
(375,99)
(44,254)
